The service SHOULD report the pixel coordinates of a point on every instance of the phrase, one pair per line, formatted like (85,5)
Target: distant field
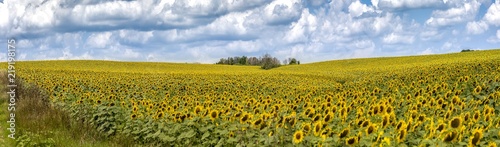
(433,100)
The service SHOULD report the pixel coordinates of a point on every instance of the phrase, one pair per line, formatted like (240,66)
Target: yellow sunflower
(298,137)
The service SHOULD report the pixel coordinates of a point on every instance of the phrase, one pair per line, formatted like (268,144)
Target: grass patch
(38,123)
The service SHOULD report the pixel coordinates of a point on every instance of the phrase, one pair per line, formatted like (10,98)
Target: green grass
(37,123)
(4,115)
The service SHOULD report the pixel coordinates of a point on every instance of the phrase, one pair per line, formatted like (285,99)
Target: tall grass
(38,123)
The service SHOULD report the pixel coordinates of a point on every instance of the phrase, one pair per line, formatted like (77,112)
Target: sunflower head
(476,116)
(401,136)
(344,133)
(450,136)
(316,117)
(492,144)
(455,122)
(133,116)
(371,128)
(317,128)
(198,109)
(306,127)
(214,114)
(257,123)
(351,141)
(441,127)
(244,118)
(477,134)
(298,137)
(328,117)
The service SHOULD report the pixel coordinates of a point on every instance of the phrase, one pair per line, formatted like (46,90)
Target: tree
(222,61)
(243,60)
(293,61)
(269,62)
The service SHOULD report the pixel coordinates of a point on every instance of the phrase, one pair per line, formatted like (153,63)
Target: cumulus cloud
(357,8)
(476,27)
(99,40)
(398,39)
(400,4)
(493,14)
(495,39)
(204,31)
(454,15)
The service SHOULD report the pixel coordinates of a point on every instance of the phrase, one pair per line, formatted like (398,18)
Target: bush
(467,50)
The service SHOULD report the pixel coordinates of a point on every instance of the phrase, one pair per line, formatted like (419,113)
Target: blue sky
(207,30)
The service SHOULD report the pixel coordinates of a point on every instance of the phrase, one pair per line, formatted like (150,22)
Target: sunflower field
(435,100)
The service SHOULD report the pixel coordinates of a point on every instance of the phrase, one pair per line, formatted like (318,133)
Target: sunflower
(257,123)
(366,123)
(371,128)
(328,117)
(440,127)
(316,118)
(450,136)
(298,136)
(401,136)
(344,133)
(492,144)
(351,141)
(160,114)
(476,116)
(400,125)
(477,90)
(292,121)
(385,120)
(476,137)
(245,117)
(455,122)
(466,117)
(317,128)
(133,116)
(214,114)
(421,118)
(306,127)
(198,109)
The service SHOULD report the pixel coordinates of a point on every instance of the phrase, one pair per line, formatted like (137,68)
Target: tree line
(266,61)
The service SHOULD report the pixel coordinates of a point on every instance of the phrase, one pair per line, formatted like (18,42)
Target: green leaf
(205,135)
(188,134)
(166,138)
(232,140)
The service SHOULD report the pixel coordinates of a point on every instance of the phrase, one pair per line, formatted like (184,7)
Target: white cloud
(99,40)
(494,39)
(447,45)
(193,30)
(398,39)
(134,36)
(364,48)
(299,30)
(476,27)
(357,8)
(280,11)
(454,15)
(4,16)
(406,3)
(429,35)
(498,34)
(492,16)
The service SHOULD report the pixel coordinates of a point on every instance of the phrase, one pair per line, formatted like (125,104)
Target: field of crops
(438,100)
